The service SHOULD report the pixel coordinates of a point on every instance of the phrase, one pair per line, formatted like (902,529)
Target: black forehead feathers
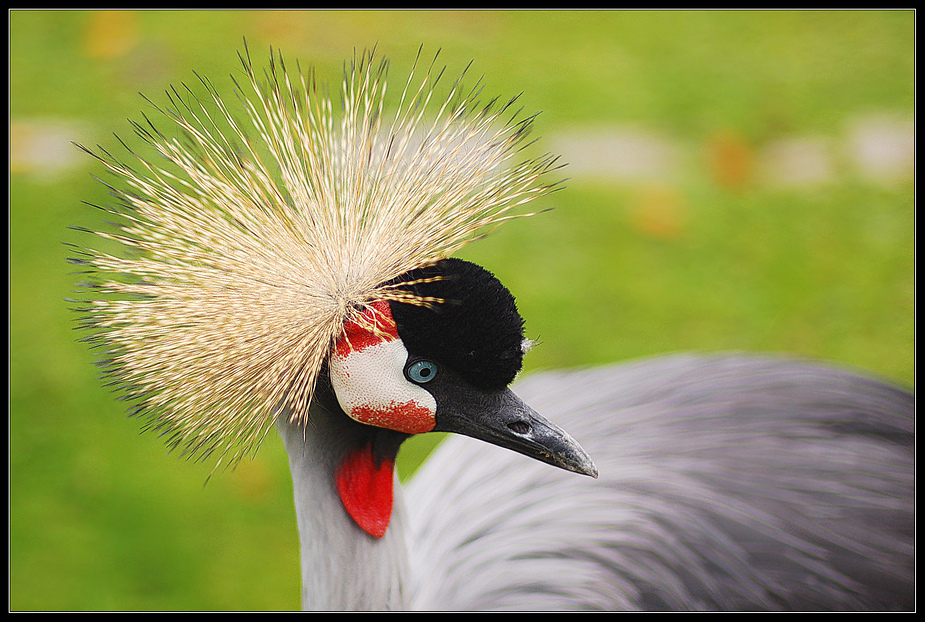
(476,331)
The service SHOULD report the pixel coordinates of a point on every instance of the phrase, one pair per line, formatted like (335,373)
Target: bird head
(445,366)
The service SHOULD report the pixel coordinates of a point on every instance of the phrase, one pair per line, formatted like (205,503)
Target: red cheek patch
(365,488)
(409,417)
(367,373)
(376,326)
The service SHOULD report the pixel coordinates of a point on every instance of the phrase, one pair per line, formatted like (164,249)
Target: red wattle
(365,488)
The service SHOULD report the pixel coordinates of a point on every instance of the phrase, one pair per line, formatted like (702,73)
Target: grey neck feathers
(343,568)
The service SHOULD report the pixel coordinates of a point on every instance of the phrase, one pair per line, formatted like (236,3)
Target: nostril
(519,427)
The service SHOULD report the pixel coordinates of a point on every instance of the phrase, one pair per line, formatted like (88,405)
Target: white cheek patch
(367,372)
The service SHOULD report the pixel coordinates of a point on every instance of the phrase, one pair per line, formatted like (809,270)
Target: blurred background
(736,181)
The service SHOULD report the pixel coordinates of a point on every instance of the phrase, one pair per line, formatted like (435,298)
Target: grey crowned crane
(293,269)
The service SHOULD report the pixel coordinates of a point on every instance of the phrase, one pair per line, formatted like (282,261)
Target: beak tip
(572,457)
(586,467)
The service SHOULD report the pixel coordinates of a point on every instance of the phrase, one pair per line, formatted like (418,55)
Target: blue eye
(421,371)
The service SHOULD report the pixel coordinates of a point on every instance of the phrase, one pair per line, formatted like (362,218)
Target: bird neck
(343,566)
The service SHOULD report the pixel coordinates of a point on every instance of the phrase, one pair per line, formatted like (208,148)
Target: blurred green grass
(709,256)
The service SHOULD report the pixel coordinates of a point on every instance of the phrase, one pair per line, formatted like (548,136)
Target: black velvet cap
(476,331)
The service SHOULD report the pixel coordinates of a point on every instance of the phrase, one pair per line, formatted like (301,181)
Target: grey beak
(503,419)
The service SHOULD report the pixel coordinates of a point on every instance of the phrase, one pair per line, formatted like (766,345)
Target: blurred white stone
(797,161)
(619,153)
(882,147)
(44,147)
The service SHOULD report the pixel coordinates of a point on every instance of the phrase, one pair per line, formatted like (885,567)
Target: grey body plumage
(728,482)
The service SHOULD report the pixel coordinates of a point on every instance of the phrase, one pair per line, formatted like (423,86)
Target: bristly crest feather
(247,246)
